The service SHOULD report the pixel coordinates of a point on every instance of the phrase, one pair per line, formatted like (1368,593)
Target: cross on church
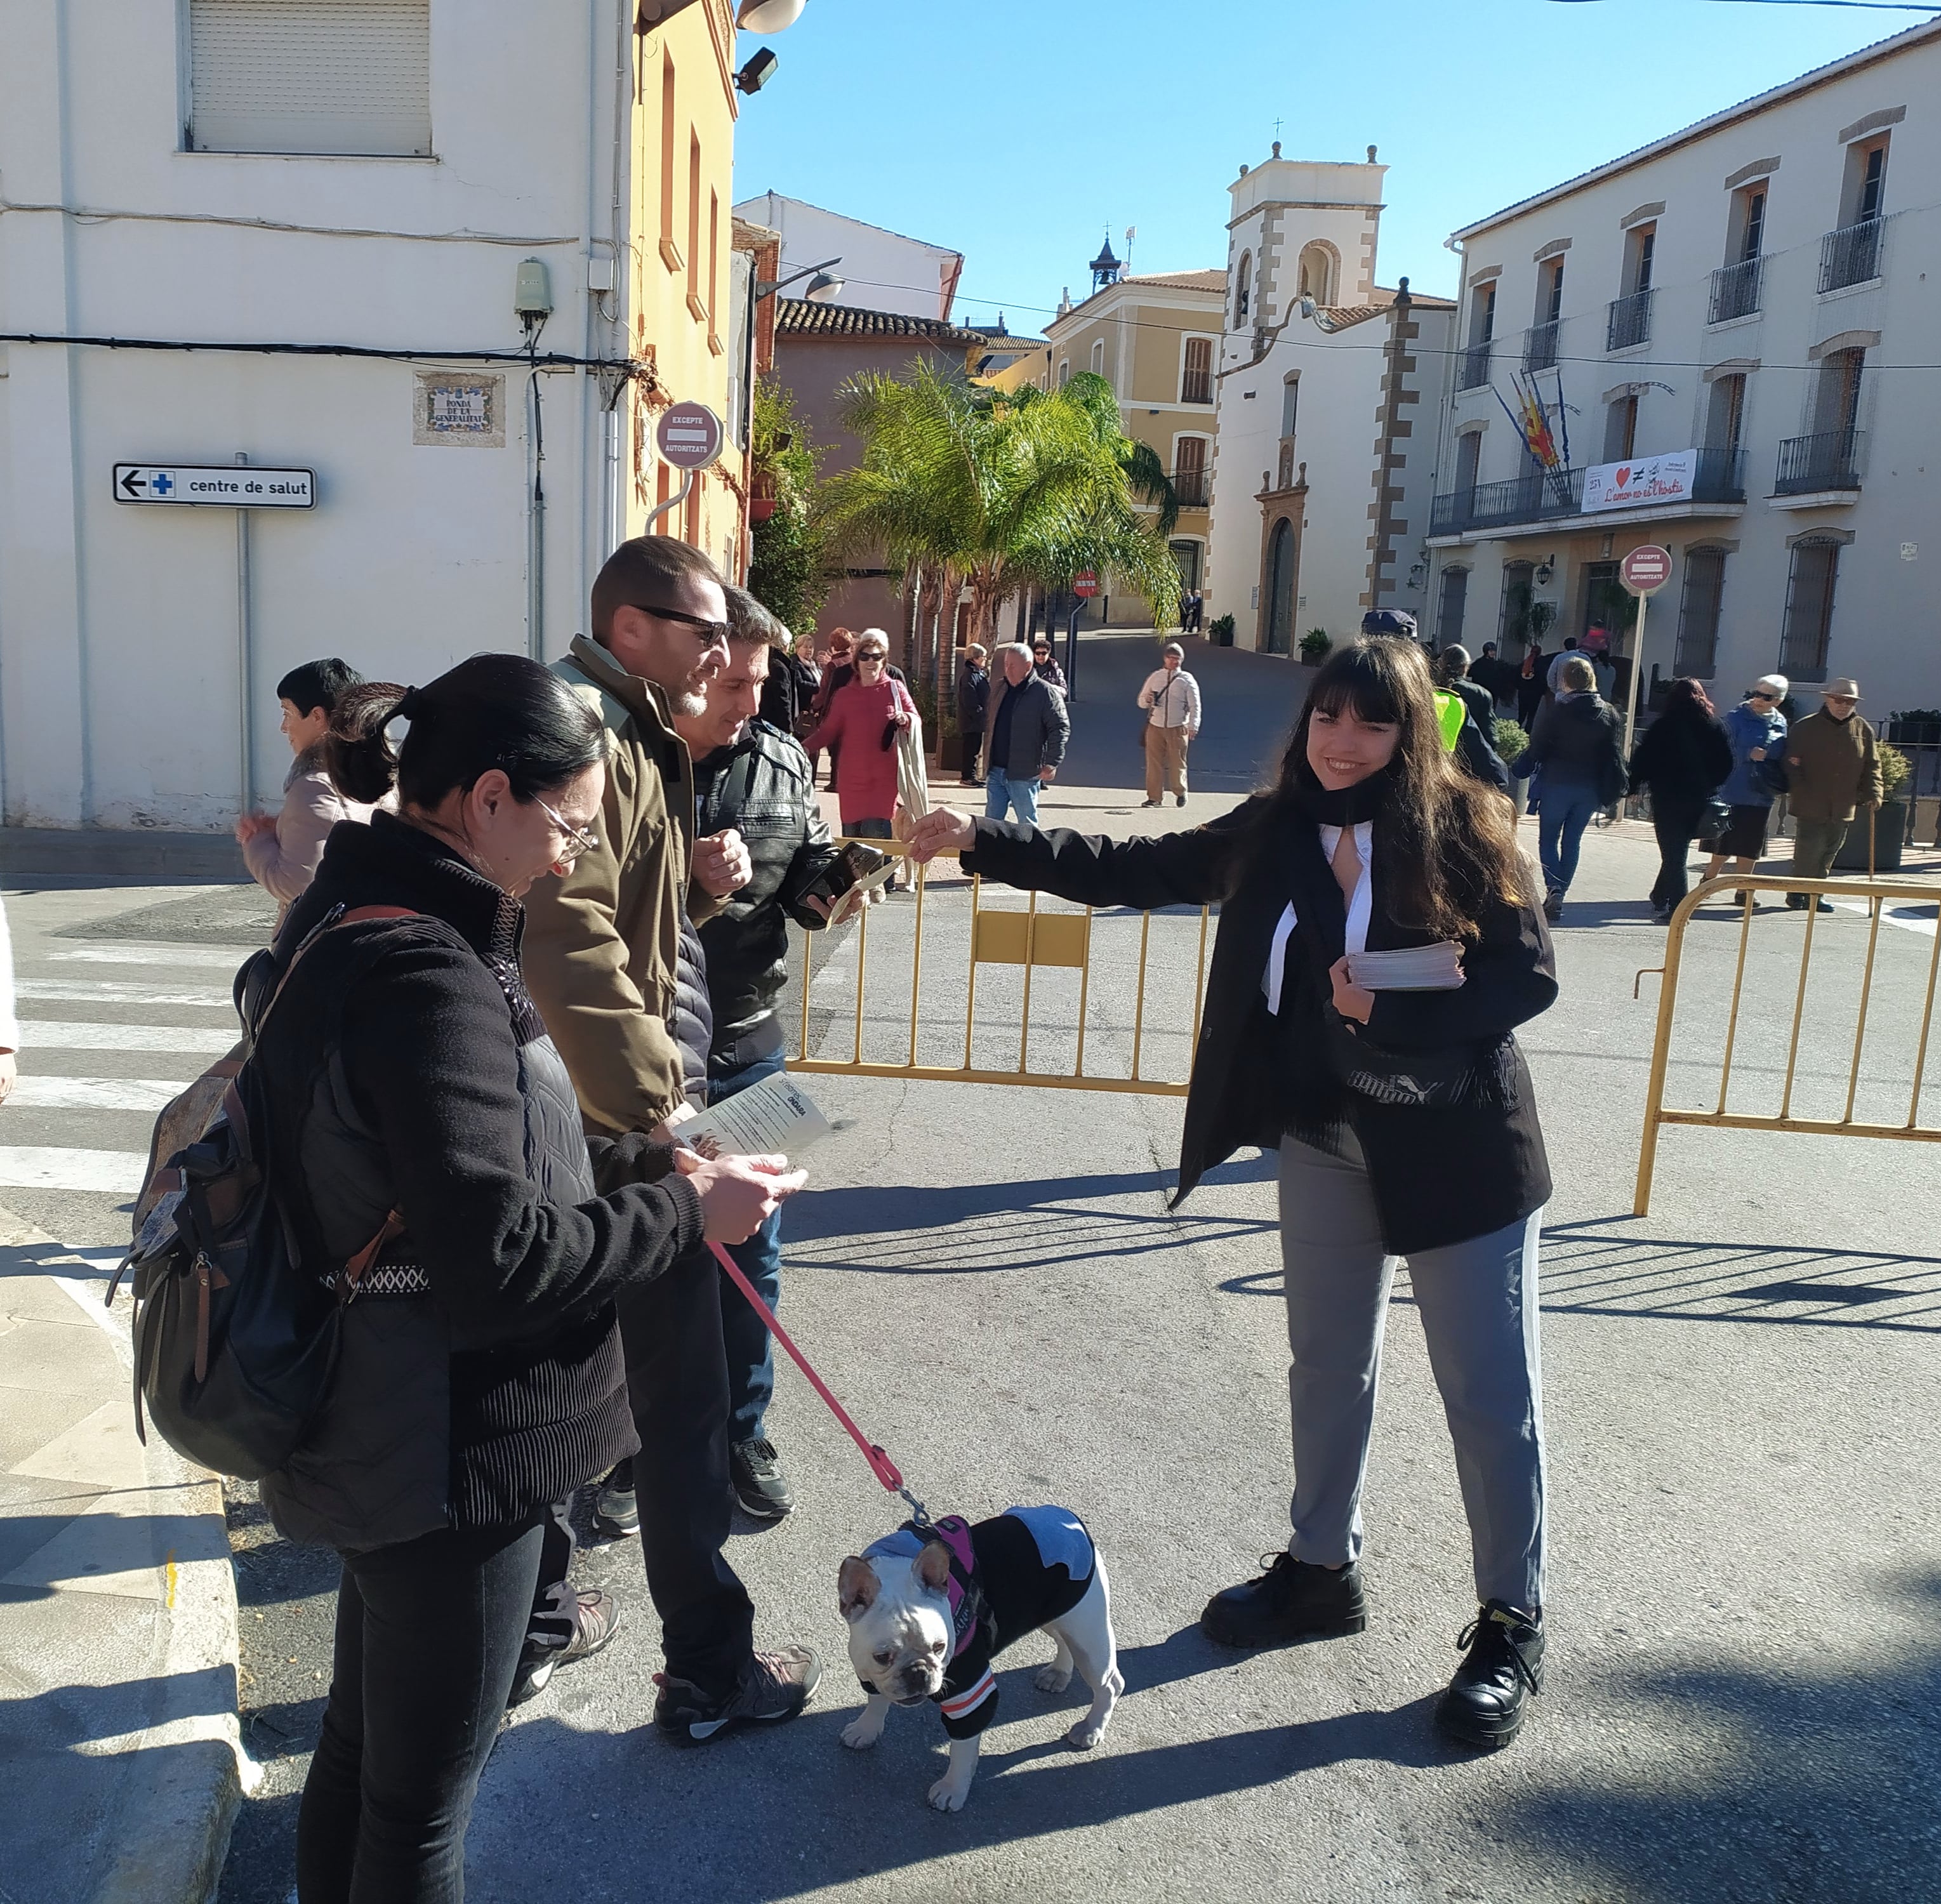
(1277,129)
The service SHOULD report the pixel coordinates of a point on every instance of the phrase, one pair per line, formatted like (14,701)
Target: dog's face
(899,1615)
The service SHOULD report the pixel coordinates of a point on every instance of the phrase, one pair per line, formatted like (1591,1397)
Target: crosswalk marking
(198,1041)
(149,1094)
(134,953)
(33,1166)
(111,991)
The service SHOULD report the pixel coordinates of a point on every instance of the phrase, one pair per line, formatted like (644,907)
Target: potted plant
(1509,740)
(1314,647)
(1221,629)
(1888,825)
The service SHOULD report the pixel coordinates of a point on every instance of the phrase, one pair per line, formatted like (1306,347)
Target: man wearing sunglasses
(613,964)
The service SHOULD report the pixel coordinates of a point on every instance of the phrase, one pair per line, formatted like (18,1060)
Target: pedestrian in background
(1453,670)
(1756,730)
(1171,697)
(1406,1125)
(974,703)
(1530,688)
(1682,759)
(482,1381)
(1045,666)
(860,730)
(1833,771)
(1025,736)
(283,851)
(1578,745)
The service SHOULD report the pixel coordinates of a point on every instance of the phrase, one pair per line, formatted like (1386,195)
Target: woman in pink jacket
(860,729)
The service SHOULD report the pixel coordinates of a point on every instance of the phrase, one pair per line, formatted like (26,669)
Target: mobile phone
(855,865)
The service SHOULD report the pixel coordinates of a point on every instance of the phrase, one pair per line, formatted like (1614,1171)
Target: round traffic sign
(1085,584)
(1647,570)
(688,436)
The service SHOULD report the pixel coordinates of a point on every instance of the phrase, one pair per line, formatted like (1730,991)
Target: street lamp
(767,16)
(823,289)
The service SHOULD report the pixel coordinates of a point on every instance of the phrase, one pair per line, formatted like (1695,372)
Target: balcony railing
(1196,387)
(1539,345)
(1850,255)
(1545,495)
(1629,322)
(1829,460)
(1473,368)
(1735,290)
(1190,486)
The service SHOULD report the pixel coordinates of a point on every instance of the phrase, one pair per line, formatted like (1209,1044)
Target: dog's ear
(857,1586)
(933,1566)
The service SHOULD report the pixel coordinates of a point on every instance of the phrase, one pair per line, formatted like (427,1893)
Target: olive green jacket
(1832,766)
(601,943)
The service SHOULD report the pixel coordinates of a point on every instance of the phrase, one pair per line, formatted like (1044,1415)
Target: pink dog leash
(881,1466)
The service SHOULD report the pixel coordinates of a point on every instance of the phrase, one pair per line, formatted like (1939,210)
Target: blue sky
(1016,134)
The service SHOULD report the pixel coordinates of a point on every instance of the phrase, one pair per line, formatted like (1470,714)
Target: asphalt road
(1744,1418)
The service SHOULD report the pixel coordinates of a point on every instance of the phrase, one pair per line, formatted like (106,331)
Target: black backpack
(235,1337)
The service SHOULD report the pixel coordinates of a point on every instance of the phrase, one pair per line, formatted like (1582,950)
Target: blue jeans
(1567,809)
(751,1349)
(1001,792)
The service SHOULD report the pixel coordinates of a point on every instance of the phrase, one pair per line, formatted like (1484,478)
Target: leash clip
(919,1514)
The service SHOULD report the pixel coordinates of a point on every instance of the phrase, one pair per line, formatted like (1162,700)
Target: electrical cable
(551,360)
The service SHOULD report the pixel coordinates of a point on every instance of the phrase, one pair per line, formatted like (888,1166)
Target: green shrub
(1221,627)
(1314,647)
(1894,768)
(1508,738)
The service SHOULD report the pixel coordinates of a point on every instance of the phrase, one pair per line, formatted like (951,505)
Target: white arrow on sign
(215,485)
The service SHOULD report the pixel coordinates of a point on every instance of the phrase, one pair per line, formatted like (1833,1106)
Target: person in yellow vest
(1832,770)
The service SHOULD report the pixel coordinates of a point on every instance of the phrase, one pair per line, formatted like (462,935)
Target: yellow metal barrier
(1029,941)
(1877,893)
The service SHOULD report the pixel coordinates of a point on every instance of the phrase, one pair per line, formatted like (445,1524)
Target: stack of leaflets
(776,1117)
(1415,968)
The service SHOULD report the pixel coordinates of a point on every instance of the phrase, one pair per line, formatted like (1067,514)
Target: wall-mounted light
(1545,570)
(767,16)
(824,288)
(757,72)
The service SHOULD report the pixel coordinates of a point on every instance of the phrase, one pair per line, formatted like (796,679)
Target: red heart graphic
(1624,476)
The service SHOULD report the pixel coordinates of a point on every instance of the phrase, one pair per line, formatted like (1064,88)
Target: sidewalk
(119,1747)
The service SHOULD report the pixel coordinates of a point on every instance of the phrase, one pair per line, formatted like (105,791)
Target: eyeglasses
(579,839)
(711,632)
(872,654)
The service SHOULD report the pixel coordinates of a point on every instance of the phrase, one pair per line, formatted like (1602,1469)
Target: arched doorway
(1280,589)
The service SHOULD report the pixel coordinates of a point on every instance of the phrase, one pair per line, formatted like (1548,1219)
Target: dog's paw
(1084,1735)
(945,1795)
(859,1734)
(1051,1678)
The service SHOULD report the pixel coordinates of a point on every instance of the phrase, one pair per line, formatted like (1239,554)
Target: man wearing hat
(1833,767)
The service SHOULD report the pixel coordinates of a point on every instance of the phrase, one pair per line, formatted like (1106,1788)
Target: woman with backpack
(414,1102)
(1404,1122)
(1683,758)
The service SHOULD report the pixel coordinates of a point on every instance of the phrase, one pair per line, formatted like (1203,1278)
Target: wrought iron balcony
(1539,345)
(1472,367)
(1629,322)
(1720,477)
(1850,255)
(1191,487)
(1831,460)
(1735,290)
(1195,385)
(1547,495)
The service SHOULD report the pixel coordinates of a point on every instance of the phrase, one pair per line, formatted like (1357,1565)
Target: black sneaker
(775,1686)
(759,1484)
(616,1510)
(1146,803)
(598,1620)
(1181,799)
(1292,1602)
(1484,1704)
(1553,906)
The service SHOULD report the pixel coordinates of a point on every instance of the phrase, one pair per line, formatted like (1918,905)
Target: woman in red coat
(860,730)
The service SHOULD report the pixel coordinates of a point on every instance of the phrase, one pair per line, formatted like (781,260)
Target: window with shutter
(347,77)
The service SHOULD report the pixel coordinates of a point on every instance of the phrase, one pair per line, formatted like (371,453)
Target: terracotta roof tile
(799,317)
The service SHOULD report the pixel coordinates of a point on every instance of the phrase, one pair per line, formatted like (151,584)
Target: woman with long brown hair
(1405,1121)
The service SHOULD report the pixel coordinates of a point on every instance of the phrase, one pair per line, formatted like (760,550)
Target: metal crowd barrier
(1031,940)
(1877,893)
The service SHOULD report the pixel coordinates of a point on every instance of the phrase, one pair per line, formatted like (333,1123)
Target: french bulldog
(930,1606)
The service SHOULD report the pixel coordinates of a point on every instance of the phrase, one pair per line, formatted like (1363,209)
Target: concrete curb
(119,1645)
(154,857)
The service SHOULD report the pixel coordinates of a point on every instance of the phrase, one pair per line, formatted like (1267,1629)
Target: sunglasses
(711,632)
(872,654)
(579,839)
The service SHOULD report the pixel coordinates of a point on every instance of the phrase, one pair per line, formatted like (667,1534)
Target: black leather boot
(1292,1601)
(1503,1666)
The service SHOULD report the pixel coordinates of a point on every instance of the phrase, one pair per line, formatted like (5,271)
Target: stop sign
(1085,584)
(1646,570)
(688,436)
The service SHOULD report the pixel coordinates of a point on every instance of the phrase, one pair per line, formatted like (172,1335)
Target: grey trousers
(1478,1303)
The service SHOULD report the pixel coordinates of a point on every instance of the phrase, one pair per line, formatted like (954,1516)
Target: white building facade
(1323,459)
(1734,329)
(880,269)
(319,180)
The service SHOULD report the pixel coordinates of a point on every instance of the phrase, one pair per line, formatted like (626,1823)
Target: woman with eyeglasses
(420,1118)
(1756,730)
(1046,669)
(860,729)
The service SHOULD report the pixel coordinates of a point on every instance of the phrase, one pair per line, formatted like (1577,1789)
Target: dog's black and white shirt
(1008,1576)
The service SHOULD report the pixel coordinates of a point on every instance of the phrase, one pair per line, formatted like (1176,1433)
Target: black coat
(1683,756)
(1439,1175)
(1579,742)
(973,699)
(443,1099)
(762,786)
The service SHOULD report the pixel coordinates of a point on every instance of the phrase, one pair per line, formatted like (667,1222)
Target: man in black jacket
(751,776)
(973,702)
